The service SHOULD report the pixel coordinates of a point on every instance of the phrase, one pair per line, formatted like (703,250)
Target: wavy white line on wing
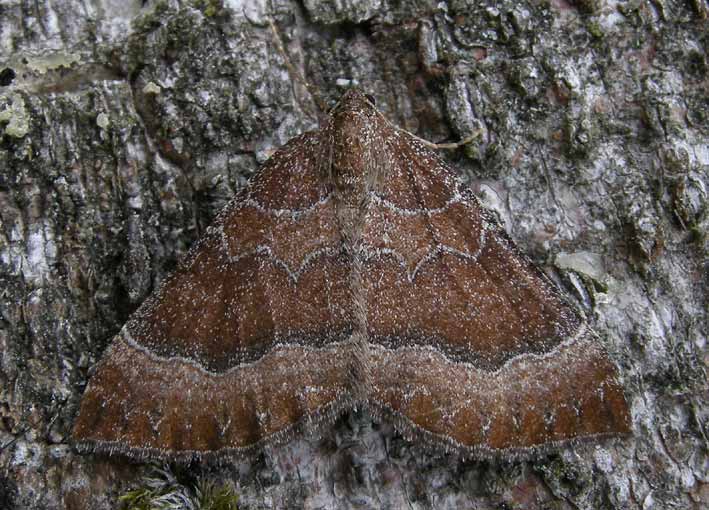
(294,275)
(371,252)
(457,197)
(507,365)
(133,344)
(252,202)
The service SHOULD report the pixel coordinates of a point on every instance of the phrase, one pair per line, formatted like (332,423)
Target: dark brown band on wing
(221,313)
(493,307)
(481,360)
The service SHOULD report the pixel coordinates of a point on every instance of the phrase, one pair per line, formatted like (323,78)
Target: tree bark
(125,127)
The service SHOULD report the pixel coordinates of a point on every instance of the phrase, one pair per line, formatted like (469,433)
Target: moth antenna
(451,145)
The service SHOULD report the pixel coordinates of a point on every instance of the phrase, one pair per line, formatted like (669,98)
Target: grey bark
(126,126)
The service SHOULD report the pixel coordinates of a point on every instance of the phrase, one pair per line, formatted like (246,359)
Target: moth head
(356,129)
(354,100)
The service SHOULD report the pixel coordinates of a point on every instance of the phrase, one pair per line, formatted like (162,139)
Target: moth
(354,270)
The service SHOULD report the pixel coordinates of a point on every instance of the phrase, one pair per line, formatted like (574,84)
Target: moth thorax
(353,163)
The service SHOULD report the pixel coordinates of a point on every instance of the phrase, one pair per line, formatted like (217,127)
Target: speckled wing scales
(227,354)
(354,269)
(471,345)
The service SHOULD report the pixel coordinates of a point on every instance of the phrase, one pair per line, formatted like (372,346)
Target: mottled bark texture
(126,126)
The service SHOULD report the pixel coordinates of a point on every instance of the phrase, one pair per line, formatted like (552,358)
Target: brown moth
(354,270)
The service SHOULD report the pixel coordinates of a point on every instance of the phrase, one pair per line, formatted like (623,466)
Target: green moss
(163,490)
(472,152)
(161,7)
(595,30)
(587,6)
(147,22)
(580,134)
(210,8)
(215,497)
